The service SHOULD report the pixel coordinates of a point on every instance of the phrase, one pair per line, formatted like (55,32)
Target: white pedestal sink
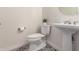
(68,30)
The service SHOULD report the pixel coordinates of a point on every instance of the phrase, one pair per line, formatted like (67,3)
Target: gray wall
(11,19)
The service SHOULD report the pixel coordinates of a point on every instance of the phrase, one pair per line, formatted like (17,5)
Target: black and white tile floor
(47,48)
(25,48)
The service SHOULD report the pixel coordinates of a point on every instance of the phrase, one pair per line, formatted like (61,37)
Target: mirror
(69,10)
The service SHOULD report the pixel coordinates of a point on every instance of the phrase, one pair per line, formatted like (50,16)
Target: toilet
(37,41)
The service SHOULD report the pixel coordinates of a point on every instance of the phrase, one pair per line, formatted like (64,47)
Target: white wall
(10,18)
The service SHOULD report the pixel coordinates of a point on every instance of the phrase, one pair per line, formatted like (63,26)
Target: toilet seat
(35,36)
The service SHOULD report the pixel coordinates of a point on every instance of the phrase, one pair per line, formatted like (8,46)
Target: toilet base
(37,45)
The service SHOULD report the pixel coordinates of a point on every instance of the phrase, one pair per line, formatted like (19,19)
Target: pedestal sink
(68,30)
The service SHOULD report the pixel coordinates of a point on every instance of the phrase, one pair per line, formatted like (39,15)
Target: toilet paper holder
(21,29)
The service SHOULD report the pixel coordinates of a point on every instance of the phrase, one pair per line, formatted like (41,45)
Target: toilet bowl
(38,40)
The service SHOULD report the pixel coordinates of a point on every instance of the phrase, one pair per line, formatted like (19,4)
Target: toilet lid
(35,35)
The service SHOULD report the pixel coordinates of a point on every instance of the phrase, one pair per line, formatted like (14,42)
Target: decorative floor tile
(25,48)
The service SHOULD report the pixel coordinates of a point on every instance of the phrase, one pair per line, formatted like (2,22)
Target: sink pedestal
(67,30)
(67,40)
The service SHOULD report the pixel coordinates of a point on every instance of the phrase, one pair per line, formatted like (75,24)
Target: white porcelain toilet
(38,40)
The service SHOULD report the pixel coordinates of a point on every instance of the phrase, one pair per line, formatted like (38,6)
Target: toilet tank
(45,29)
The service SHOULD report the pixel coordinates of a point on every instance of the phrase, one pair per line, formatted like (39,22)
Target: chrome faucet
(67,22)
(75,22)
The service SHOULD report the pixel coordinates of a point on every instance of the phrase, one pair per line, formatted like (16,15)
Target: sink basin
(67,26)
(67,30)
